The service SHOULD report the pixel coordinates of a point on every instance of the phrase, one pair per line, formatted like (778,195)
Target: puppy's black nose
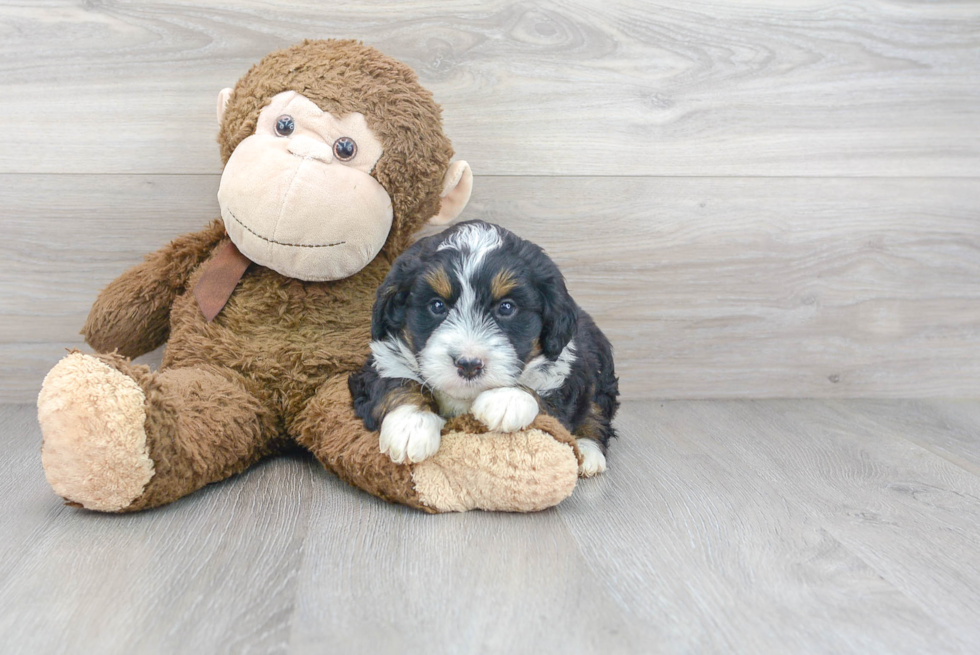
(469,368)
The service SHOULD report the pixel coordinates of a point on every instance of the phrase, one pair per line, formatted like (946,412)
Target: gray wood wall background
(771,198)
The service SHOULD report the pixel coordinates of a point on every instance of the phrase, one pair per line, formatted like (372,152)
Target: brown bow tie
(221,275)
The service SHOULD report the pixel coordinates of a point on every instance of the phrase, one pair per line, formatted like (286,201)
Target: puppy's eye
(344,148)
(285,125)
(437,307)
(506,308)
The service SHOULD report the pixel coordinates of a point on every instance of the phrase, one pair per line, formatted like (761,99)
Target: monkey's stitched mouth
(280,243)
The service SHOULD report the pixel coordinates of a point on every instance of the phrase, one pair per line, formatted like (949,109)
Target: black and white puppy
(476,319)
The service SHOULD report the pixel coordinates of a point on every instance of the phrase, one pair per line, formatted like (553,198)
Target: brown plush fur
(132,314)
(272,368)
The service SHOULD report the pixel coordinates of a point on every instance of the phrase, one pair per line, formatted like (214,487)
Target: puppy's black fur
(456,287)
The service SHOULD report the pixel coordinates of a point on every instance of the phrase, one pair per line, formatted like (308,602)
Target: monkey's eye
(285,125)
(437,307)
(506,308)
(344,148)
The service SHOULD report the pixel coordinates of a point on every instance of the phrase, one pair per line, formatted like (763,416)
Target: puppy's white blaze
(593,461)
(412,434)
(478,240)
(394,359)
(473,242)
(505,410)
(544,375)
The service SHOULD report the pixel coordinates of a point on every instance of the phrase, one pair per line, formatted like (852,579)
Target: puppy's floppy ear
(391,303)
(558,315)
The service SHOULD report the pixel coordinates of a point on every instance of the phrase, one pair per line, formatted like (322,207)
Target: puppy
(476,319)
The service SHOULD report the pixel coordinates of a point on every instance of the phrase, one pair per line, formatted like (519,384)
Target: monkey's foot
(94,449)
(524,471)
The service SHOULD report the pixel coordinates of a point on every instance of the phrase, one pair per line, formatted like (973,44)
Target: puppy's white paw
(411,434)
(505,409)
(593,461)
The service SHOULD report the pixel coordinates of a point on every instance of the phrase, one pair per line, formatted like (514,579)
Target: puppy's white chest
(504,409)
(450,406)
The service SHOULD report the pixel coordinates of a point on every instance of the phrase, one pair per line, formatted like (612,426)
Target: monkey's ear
(223,97)
(456,189)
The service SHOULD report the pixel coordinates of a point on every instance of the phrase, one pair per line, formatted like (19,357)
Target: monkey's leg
(119,438)
(524,471)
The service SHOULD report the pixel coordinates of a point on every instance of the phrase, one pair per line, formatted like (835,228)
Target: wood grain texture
(946,429)
(768,87)
(465,583)
(708,287)
(687,529)
(721,526)
(213,573)
(911,516)
(765,199)
(582,120)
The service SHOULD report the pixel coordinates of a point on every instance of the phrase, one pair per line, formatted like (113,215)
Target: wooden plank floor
(775,198)
(721,526)
(570,87)
(706,286)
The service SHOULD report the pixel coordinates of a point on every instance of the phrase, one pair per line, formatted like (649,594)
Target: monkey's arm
(132,314)
(524,471)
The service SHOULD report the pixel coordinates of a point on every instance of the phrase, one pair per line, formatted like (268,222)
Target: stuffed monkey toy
(334,156)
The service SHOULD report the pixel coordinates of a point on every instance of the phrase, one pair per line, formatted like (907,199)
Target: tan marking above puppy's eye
(502,284)
(438,279)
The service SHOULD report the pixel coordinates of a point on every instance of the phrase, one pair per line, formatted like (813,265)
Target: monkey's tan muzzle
(300,214)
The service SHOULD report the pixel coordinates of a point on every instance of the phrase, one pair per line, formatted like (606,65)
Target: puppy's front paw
(412,434)
(505,409)
(593,461)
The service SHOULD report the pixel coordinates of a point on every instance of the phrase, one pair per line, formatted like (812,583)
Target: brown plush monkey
(334,157)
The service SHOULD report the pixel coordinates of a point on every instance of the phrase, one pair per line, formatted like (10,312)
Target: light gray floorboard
(721,526)
(213,573)
(707,287)
(470,583)
(691,540)
(912,516)
(767,198)
(618,87)
(775,198)
(948,428)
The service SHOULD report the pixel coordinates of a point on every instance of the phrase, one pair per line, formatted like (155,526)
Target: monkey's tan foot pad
(94,449)
(510,472)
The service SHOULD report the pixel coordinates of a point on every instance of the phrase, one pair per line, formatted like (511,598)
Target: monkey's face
(298,196)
